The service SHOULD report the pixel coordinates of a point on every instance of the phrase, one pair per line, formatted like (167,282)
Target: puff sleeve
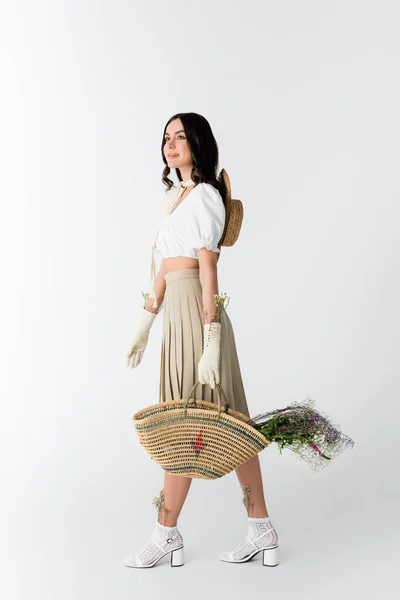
(209,218)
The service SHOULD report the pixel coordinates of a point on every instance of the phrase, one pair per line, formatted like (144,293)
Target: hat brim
(234,213)
(233,223)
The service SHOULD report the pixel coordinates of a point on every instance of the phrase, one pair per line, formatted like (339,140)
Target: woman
(198,340)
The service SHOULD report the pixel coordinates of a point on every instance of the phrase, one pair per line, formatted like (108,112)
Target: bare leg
(172,497)
(250,478)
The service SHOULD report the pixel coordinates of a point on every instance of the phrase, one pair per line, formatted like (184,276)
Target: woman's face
(176,149)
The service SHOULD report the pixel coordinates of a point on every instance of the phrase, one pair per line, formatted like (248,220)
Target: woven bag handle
(220,392)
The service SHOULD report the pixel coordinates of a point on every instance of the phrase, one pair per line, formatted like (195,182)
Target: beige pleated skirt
(182,345)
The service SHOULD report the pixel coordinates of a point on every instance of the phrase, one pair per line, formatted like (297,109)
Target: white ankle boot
(261,537)
(162,541)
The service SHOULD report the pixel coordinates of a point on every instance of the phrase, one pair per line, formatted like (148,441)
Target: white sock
(161,532)
(258,526)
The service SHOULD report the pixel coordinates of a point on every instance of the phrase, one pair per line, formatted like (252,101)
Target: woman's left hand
(208,367)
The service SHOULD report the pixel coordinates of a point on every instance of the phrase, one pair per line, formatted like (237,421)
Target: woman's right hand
(140,340)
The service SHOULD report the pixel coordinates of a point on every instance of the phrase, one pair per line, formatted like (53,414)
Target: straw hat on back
(234,213)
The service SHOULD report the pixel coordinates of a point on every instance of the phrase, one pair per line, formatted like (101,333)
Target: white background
(303,98)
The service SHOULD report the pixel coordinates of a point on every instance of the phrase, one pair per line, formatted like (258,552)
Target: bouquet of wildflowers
(146,296)
(220,303)
(305,431)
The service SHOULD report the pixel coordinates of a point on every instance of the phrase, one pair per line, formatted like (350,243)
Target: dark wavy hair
(204,149)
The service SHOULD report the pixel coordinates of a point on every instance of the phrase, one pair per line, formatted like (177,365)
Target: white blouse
(196,222)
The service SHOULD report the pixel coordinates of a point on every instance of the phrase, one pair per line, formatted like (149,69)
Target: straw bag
(195,438)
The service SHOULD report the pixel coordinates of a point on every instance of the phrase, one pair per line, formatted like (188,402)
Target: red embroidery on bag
(199,445)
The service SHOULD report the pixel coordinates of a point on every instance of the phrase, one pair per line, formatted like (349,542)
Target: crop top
(196,222)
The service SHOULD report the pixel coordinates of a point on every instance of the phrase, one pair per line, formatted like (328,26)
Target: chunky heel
(271,557)
(177,557)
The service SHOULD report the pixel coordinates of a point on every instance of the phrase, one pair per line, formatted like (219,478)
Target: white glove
(141,338)
(208,367)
